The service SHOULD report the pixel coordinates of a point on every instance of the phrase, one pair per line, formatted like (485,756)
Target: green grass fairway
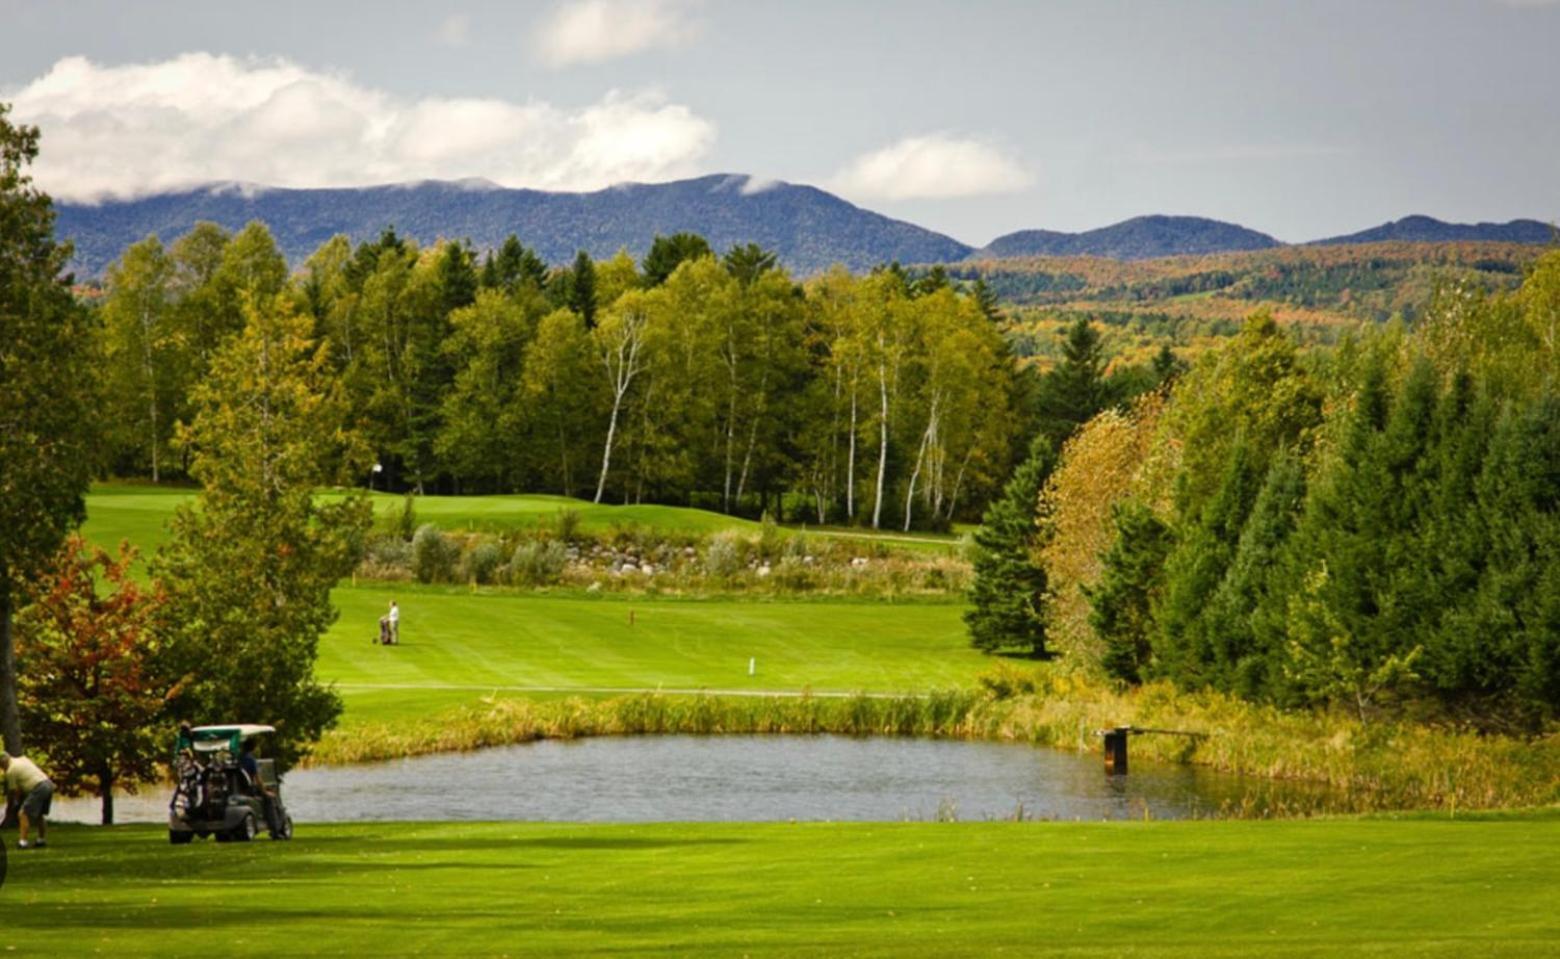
(457,646)
(140,514)
(1412,888)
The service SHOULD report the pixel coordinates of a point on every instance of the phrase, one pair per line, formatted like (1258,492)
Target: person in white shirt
(27,782)
(395,622)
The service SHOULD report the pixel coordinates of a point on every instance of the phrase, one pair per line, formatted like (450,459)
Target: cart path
(634,690)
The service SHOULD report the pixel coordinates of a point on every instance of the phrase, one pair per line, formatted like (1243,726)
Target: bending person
(27,782)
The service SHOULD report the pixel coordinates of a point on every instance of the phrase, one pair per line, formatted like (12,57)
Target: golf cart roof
(209,738)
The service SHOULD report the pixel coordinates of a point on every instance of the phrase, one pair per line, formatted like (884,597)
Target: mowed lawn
(1412,888)
(457,646)
(140,514)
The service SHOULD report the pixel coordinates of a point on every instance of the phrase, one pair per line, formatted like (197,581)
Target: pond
(738,778)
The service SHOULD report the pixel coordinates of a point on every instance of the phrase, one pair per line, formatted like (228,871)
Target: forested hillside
(1190,302)
(809,229)
(1427,229)
(1140,238)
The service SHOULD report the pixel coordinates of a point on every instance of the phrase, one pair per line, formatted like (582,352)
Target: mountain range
(1427,229)
(810,229)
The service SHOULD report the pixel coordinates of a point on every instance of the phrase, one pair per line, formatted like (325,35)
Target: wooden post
(1116,750)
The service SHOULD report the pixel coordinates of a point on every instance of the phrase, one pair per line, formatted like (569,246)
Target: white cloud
(933,166)
(592,31)
(455,30)
(142,128)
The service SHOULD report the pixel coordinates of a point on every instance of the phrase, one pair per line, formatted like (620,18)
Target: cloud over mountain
(134,129)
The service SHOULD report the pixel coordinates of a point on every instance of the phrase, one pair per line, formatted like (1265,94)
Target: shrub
(405,521)
(568,524)
(481,561)
(723,556)
(771,539)
(387,557)
(792,574)
(433,555)
(538,563)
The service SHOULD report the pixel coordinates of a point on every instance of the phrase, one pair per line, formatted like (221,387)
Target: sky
(1302,119)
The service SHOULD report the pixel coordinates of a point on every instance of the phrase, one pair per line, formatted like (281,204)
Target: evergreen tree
(1245,620)
(513,267)
(1122,603)
(1075,390)
(1196,568)
(669,252)
(748,262)
(582,289)
(1008,591)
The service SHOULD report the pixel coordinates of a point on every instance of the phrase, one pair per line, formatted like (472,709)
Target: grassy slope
(453,637)
(139,513)
(476,642)
(1294,888)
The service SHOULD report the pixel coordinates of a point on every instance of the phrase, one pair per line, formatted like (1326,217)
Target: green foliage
(48,439)
(405,519)
(433,555)
(251,564)
(669,252)
(724,555)
(1123,602)
(748,261)
(1395,555)
(481,561)
(538,563)
(1075,390)
(1007,595)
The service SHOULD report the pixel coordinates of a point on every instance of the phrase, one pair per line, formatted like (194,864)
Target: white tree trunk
(850,468)
(882,471)
(920,458)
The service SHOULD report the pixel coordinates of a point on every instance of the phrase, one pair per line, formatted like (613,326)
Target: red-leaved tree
(89,687)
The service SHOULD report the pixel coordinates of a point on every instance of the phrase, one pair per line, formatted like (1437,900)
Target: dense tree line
(691,378)
(1375,527)
(205,363)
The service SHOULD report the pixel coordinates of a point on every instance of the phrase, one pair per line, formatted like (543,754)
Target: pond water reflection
(743,778)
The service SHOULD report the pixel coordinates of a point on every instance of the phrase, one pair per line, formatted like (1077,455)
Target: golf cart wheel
(246,830)
(285,832)
(180,837)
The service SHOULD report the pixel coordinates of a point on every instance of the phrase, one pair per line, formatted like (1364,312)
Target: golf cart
(214,796)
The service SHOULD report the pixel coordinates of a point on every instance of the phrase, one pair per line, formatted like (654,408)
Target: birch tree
(144,349)
(619,339)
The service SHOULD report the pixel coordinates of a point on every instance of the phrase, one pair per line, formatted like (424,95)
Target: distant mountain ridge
(809,228)
(1427,229)
(1140,238)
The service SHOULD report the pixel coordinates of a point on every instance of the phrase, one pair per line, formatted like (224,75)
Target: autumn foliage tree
(90,684)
